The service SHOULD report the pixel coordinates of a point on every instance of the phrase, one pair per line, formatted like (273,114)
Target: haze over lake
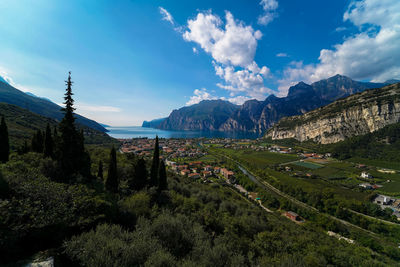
(138,131)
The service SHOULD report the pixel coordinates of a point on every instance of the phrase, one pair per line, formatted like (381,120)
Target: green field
(264,160)
(377,163)
(308,165)
(261,159)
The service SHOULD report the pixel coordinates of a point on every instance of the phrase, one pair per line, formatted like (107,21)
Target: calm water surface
(137,131)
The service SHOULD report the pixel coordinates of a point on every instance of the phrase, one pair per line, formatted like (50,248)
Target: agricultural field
(260,159)
(309,165)
(377,163)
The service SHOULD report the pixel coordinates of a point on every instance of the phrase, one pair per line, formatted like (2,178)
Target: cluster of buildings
(389,202)
(280,149)
(170,148)
(198,169)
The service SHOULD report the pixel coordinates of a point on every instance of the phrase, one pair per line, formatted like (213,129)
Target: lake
(137,131)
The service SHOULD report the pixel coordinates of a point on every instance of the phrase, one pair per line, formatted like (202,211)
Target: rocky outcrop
(358,114)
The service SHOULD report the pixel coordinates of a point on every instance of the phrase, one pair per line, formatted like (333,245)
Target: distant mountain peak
(299,88)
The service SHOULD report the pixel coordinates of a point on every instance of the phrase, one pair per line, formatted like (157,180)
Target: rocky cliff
(257,116)
(208,115)
(357,114)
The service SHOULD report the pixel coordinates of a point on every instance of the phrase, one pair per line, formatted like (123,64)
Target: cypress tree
(100,170)
(56,143)
(112,177)
(139,179)
(48,150)
(25,148)
(37,142)
(162,177)
(155,164)
(4,142)
(72,155)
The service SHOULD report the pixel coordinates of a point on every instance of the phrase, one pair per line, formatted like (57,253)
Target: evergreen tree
(100,171)
(25,148)
(139,179)
(37,142)
(162,177)
(56,143)
(4,141)
(72,155)
(155,164)
(48,143)
(112,177)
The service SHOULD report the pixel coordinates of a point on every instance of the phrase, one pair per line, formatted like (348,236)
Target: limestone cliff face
(355,115)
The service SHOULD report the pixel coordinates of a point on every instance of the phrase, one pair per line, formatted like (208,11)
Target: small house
(366,175)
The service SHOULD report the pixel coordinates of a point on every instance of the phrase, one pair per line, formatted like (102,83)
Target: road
(268,186)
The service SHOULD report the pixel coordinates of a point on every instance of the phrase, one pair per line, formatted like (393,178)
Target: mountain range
(258,116)
(358,114)
(41,106)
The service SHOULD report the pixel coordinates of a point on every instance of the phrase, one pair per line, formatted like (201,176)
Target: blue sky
(138,60)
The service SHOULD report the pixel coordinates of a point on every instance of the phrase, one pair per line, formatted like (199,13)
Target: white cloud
(232,46)
(282,55)
(238,100)
(166,15)
(6,77)
(200,95)
(195,50)
(373,53)
(340,29)
(269,7)
(248,80)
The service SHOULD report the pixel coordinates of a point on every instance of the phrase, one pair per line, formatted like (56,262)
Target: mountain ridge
(357,114)
(41,106)
(257,116)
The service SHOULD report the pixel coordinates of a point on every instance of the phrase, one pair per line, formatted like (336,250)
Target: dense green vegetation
(89,205)
(22,124)
(326,197)
(382,145)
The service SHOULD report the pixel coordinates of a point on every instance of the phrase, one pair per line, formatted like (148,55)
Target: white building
(366,175)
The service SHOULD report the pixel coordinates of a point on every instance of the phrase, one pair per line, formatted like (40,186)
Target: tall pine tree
(48,150)
(139,179)
(162,177)
(155,164)
(112,177)
(4,141)
(37,142)
(100,170)
(72,155)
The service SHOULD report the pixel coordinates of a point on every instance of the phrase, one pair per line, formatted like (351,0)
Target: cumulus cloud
(249,80)
(200,95)
(166,15)
(373,53)
(269,7)
(232,46)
